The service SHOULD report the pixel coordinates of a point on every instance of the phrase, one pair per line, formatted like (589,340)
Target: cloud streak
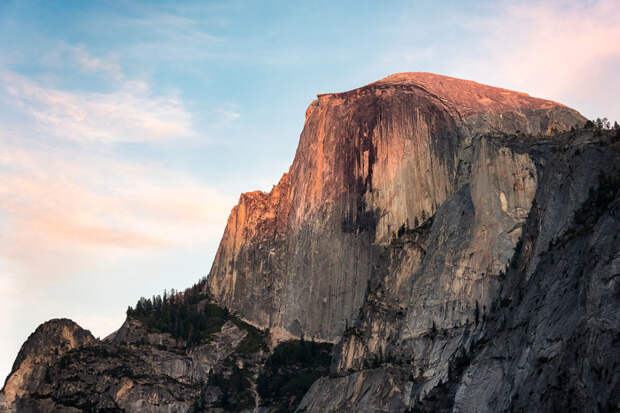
(91,63)
(129,114)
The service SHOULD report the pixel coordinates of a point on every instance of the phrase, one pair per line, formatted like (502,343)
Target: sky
(128,129)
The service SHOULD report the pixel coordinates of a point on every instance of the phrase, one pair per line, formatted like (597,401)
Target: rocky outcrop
(149,365)
(50,341)
(370,161)
(63,368)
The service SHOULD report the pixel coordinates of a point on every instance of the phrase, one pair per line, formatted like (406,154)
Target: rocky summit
(437,245)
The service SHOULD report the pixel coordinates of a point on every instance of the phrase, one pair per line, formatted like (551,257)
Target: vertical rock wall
(370,162)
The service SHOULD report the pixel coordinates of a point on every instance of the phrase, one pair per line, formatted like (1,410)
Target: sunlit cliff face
(369,161)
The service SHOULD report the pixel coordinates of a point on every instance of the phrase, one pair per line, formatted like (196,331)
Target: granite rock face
(457,243)
(370,161)
(534,331)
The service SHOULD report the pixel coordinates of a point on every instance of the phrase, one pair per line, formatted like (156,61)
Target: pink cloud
(60,210)
(563,50)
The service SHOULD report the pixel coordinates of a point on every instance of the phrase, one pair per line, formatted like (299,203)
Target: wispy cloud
(129,114)
(76,58)
(68,198)
(179,33)
(109,66)
(228,114)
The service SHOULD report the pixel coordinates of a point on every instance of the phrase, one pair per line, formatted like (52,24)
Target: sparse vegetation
(602,124)
(193,317)
(188,315)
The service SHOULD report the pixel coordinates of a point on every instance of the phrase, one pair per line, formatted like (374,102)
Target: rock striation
(457,244)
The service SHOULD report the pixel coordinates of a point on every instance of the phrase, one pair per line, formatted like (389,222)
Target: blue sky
(130,128)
